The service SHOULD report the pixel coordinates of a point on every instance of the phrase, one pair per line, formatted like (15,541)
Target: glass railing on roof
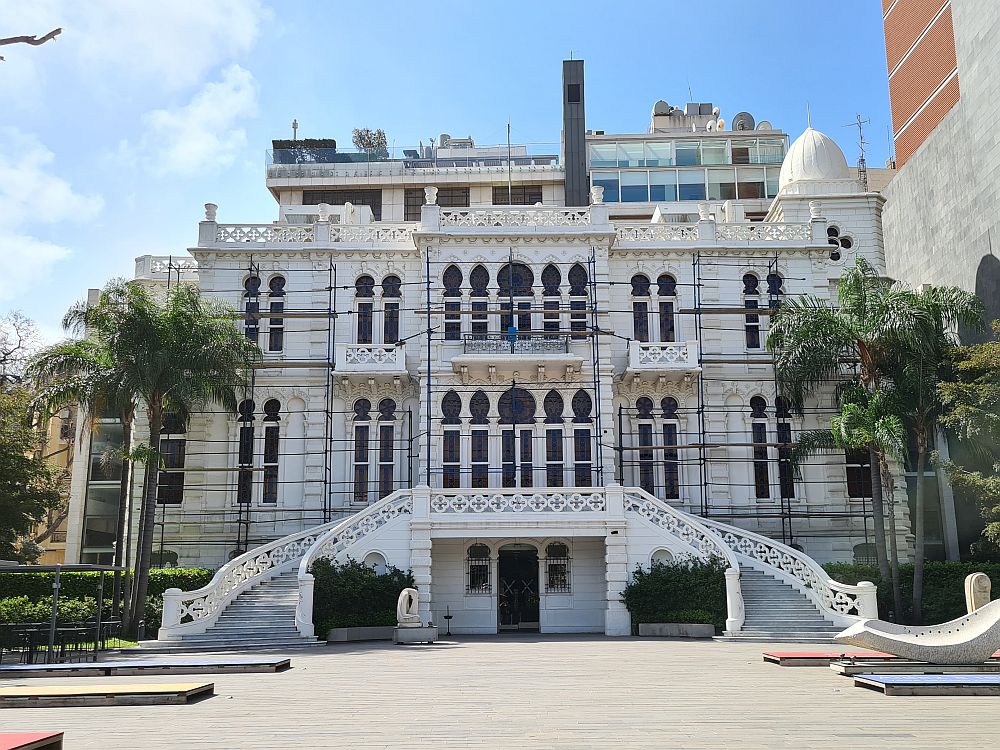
(294,160)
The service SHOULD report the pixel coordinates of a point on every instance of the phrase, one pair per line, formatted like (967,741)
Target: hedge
(77,585)
(686,590)
(944,587)
(354,595)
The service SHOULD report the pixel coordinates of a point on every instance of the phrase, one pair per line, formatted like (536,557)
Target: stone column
(420,549)
(617,621)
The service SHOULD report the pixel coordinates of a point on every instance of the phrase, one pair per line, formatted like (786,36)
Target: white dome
(813,157)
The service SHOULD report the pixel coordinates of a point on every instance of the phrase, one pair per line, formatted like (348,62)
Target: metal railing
(518,343)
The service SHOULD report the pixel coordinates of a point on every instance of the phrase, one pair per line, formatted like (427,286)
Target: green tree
(372,141)
(29,487)
(178,355)
(815,343)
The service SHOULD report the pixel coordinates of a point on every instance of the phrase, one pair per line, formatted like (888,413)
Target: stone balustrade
(369,359)
(654,356)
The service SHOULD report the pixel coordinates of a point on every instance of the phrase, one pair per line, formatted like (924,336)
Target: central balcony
(538,355)
(662,358)
(368,361)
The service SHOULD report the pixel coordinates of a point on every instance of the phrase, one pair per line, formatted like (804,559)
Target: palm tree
(815,343)
(178,356)
(918,375)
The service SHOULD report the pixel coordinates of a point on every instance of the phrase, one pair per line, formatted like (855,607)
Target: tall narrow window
(517,407)
(386,440)
(557,576)
(582,451)
(551,279)
(578,300)
(554,461)
(751,301)
(644,415)
(251,326)
(640,307)
(758,430)
(666,292)
(783,432)
(244,459)
(364,293)
(453,303)
(451,441)
(671,453)
(272,408)
(479,279)
(276,323)
(479,407)
(477,563)
(170,484)
(390,309)
(859,473)
(362,438)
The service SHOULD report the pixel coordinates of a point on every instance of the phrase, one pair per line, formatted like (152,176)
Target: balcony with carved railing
(494,353)
(364,361)
(166,268)
(662,358)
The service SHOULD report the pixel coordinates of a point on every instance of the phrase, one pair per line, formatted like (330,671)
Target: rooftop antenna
(862,166)
(809,119)
(295,129)
(510,189)
(690,95)
(889,147)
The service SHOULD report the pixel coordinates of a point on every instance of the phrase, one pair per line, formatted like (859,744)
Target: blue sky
(113,136)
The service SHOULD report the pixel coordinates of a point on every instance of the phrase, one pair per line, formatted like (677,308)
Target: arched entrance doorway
(517,594)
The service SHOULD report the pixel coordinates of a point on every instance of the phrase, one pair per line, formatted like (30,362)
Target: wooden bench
(231,665)
(31,740)
(861,667)
(104,695)
(826,658)
(931,684)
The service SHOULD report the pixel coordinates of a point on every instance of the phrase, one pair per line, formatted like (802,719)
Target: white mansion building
(517,374)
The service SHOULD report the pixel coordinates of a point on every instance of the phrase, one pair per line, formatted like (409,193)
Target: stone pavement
(529,692)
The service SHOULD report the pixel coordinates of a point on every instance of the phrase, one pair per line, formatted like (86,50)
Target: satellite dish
(765,125)
(720,124)
(743,121)
(661,109)
(715,111)
(710,127)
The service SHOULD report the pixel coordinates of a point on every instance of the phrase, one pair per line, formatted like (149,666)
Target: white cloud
(31,195)
(202,135)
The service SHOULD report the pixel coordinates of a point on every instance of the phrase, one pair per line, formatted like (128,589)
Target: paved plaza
(529,692)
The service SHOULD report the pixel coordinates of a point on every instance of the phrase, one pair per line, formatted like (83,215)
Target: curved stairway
(777,612)
(261,617)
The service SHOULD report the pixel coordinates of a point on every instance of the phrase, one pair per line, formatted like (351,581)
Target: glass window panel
(688,153)
(750,182)
(691,185)
(608,181)
(659,154)
(634,187)
(631,155)
(714,152)
(663,185)
(603,155)
(771,151)
(721,184)
(744,151)
(772,181)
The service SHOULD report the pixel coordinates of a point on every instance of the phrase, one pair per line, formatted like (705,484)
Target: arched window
(251,326)
(276,323)
(479,409)
(582,406)
(376,561)
(451,441)
(551,279)
(516,280)
(452,280)
(516,407)
(364,292)
(783,433)
(751,301)
(671,452)
(644,417)
(391,292)
(666,292)
(640,307)
(557,574)
(552,405)
(661,557)
(775,288)
(362,440)
(386,443)
(479,279)
(244,458)
(272,409)
(170,484)
(758,432)
(578,300)
(477,570)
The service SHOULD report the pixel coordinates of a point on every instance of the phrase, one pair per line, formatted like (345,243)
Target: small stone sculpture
(406,609)
(977,591)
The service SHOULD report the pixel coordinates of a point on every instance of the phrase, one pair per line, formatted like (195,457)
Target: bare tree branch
(34,41)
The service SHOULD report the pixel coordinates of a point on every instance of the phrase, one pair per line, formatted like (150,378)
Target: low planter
(676,630)
(369,633)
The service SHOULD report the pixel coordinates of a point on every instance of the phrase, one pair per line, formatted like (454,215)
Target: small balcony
(363,361)
(662,358)
(536,355)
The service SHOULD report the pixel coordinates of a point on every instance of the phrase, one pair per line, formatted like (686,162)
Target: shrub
(944,587)
(354,595)
(676,590)
(77,585)
(19,609)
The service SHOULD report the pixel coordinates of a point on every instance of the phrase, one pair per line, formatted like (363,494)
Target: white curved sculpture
(971,639)
(406,609)
(977,591)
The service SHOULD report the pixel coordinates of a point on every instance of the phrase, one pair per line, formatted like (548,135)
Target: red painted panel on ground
(30,740)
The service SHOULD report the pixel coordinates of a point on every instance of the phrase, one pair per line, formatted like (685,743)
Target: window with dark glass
(251,325)
(640,308)
(390,309)
(244,458)
(783,432)
(452,280)
(276,324)
(751,301)
(671,453)
(386,443)
(479,279)
(414,198)
(170,484)
(370,198)
(859,473)
(557,576)
(761,476)
(451,459)
(364,290)
(554,457)
(272,408)
(477,562)
(666,286)
(523,195)
(362,434)
(582,460)
(480,458)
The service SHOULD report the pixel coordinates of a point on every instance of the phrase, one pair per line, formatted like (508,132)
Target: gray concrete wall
(942,218)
